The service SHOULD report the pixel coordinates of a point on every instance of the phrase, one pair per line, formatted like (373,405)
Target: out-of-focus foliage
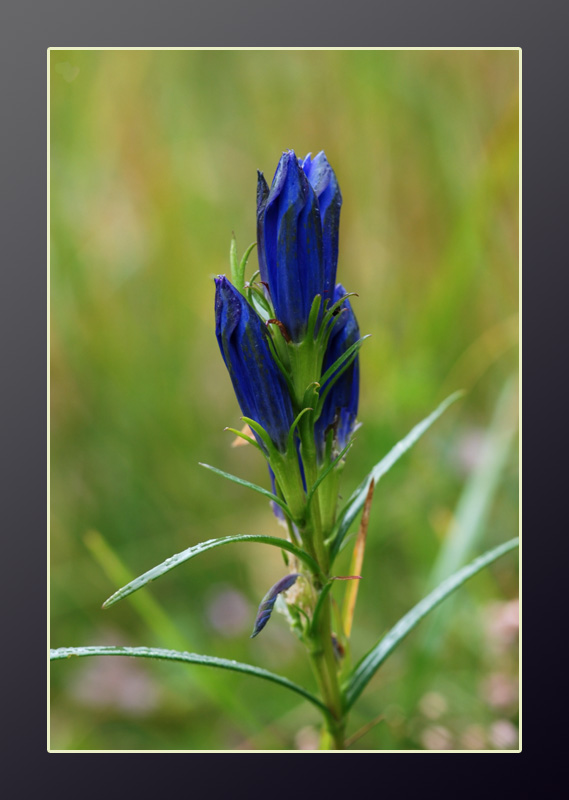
(153,165)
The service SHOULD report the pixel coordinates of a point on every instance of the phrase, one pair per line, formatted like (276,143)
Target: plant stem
(323,662)
(308,449)
(306,369)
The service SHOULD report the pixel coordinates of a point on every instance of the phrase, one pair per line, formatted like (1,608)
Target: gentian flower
(260,388)
(297,237)
(340,407)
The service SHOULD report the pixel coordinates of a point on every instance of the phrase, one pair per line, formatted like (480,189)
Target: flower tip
(224,286)
(289,157)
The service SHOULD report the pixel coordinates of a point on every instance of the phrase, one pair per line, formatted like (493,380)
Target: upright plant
(290,341)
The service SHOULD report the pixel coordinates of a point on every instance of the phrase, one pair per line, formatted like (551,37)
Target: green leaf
(188,658)
(248,439)
(468,521)
(357,500)
(264,436)
(341,365)
(290,446)
(348,355)
(167,633)
(259,489)
(370,663)
(325,472)
(238,268)
(313,316)
(283,370)
(191,552)
(330,310)
(258,300)
(243,263)
(318,607)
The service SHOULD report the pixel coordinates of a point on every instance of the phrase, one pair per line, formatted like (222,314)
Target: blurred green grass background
(153,165)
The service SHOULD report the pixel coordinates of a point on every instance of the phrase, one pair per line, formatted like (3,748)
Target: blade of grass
(469,519)
(145,605)
(357,499)
(160,624)
(248,485)
(370,663)
(362,731)
(188,658)
(202,547)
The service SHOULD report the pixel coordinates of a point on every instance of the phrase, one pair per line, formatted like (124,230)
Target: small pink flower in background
(502,623)
(500,690)
(437,738)
(227,610)
(504,735)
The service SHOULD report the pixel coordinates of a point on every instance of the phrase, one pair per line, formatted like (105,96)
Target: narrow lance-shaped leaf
(326,471)
(249,485)
(370,663)
(357,500)
(343,361)
(468,520)
(191,552)
(188,658)
(319,605)
(168,634)
(241,269)
(241,437)
(267,603)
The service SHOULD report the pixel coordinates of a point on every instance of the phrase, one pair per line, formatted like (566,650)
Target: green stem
(328,501)
(308,449)
(305,360)
(323,662)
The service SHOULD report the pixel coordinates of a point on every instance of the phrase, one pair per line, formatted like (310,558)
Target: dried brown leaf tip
(238,441)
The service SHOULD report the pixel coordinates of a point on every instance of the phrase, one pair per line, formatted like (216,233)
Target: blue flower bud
(297,237)
(267,603)
(341,405)
(243,339)
(323,180)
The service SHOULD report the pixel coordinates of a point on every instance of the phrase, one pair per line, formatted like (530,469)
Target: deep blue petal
(290,231)
(260,388)
(341,405)
(298,223)
(262,196)
(323,179)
